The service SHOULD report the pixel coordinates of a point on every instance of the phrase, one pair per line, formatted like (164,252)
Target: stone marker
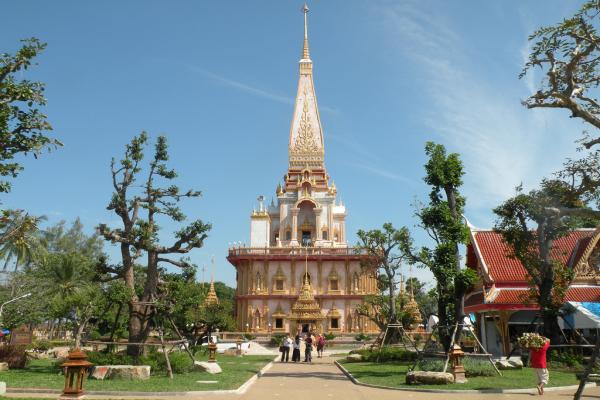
(211,368)
(354,357)
(3,366)
(516,362)
(2,387)
(429,378)
(133,372)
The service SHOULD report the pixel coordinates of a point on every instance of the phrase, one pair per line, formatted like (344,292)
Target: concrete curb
(483,391)
(125,395)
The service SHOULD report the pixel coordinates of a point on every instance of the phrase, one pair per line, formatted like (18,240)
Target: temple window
(335,323)
(324,235)
(333,284)
(278,323)
(278,281)
(288,235)
(333,279)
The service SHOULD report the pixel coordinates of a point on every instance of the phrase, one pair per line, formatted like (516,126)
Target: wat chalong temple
(298,272)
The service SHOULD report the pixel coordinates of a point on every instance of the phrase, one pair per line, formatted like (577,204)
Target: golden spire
(305,53)
(211,297)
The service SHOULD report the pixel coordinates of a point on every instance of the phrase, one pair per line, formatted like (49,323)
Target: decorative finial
(305,53)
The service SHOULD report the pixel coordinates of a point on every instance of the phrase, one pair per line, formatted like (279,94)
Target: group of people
(310,342)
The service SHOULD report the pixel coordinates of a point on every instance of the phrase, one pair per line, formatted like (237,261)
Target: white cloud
(500,142)
(252,89)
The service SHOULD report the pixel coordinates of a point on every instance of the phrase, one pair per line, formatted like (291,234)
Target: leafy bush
(566,358)
(387,354)
(180,362)
(478,367)
(277,340)
(94,335)
(361,337)
(473,366)
(14,355)
(249,336)
(329,336)
(41,345)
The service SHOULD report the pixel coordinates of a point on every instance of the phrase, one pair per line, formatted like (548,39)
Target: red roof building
(501,301)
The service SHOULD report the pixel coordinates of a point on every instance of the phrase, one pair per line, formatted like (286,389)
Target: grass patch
(236,371)
(394,374)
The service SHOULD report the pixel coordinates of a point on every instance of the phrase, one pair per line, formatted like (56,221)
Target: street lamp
(11,301)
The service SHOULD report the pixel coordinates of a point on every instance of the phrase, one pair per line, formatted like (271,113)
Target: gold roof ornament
(279,190)
(332,188)
(306,307)
(211,297)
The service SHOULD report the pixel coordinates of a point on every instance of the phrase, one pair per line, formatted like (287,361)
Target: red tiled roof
(503,268)
(520,296)
(511,296)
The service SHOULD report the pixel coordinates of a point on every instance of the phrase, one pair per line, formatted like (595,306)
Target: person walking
(285,347)
(538,363)
(320,345)
(296,353)
(308,341)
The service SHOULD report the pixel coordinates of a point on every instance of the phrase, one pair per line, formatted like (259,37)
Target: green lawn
(236,371)
(393,375)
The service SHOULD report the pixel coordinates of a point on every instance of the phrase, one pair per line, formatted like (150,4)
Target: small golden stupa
(306,307)
(211,297)
(412,308)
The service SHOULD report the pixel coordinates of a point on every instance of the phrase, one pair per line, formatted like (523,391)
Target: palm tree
(19,241)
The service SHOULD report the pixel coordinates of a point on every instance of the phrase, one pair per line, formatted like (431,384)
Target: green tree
(442,220)
(23,126)
(383,246)
(139,205)
(530,223)
(61,280)
(19,239)
(569,55)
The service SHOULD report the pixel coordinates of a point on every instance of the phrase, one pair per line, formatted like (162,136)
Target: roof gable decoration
(586,268)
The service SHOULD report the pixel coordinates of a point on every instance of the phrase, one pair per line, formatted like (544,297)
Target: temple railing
(285,251)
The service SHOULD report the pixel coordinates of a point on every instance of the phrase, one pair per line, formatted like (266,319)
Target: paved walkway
(323,380)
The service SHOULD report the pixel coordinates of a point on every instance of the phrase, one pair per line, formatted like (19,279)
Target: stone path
(323,380)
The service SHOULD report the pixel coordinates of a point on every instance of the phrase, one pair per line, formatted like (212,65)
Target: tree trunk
(443,320)
(79,333)
(459,295)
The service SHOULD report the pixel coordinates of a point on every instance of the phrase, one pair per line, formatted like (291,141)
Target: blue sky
(218,78)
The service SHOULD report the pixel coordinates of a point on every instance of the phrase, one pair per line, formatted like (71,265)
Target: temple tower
(298,253)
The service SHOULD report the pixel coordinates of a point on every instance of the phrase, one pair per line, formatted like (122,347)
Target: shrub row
(473,366)
(180,361)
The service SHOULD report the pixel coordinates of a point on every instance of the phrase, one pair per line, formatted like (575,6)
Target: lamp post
(247,327)
(12,301)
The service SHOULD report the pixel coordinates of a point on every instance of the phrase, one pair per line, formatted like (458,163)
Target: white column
(294,241)
(319,232)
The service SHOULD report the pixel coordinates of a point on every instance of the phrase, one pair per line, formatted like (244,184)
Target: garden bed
(43,374)
(393,374)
